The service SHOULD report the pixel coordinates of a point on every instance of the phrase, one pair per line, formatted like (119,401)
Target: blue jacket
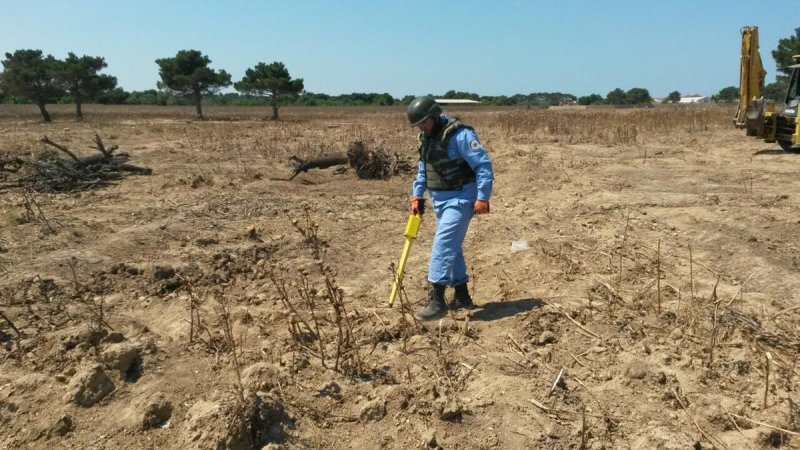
(463,144)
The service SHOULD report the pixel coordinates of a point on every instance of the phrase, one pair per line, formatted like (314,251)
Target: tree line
(29,76)
(41,80)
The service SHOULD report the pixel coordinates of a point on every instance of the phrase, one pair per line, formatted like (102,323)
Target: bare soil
(217,304)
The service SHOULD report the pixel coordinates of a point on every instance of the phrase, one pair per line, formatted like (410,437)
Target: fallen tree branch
(369,164)
(11,324)
(48,173)
(782,430)
(102,148)
(588,331)
(322,162)
(47,141)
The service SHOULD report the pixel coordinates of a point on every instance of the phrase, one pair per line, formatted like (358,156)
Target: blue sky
(409,47)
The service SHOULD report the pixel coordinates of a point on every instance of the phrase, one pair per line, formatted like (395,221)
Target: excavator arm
(751,77)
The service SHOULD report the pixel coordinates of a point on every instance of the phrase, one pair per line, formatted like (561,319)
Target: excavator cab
(787,125)
(793,93)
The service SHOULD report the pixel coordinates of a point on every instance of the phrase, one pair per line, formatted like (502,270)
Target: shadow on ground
(501,310)
(773,151)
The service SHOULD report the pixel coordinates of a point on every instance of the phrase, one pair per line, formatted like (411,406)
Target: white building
(694,98)
(456,101)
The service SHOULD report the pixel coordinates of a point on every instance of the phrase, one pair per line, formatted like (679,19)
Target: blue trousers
(447,264)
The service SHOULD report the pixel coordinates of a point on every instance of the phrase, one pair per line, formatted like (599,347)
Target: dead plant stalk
(714,323)
(658,275)
(622,250)
(227,329)
(691,272)
(767,361)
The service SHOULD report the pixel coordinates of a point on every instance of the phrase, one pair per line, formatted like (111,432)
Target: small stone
(676,334)
(261,376)
(113,338)
(157,411)
(637,369)
(373,411)
(149,346)
(63,426)
(294,361)
(163,272)
(29,382)
(451,412)
(120,356)
(447,409)
(547,337)
(605,375)
(597,445)
(429,439)
(332,390)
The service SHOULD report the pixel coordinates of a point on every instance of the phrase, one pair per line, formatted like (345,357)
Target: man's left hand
(481,207)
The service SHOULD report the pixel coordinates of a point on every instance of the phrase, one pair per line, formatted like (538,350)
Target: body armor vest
(441,172)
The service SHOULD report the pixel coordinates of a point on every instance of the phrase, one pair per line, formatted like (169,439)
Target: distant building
(456,101)
(694,98)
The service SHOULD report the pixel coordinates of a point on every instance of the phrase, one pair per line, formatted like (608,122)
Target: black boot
(436,307)
(462,298)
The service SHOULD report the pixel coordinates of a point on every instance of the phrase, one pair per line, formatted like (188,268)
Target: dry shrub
(315,302)
(376,163)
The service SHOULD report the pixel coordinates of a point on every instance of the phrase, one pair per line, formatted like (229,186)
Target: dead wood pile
(369,164)
(48,172)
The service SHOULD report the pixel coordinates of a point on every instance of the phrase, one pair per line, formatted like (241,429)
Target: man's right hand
(481,207)
(418,206)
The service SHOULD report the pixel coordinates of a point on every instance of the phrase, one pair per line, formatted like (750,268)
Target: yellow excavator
(760,117)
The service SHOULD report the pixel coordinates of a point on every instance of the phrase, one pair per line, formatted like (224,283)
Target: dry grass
(605,126)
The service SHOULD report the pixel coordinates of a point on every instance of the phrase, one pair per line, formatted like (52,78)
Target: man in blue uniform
(457,173)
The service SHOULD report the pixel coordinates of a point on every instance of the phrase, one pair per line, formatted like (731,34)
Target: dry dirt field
(216,304)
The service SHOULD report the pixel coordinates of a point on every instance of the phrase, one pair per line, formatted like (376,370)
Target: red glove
(418,206)
(481,207)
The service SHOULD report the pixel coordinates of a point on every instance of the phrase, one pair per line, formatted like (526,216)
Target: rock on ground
(637,369)
(120,356)
(373,411)
(261,376)
(220,425)
(156,411)
(89,386)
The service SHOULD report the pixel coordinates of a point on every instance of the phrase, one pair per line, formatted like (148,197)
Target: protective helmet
(421,108)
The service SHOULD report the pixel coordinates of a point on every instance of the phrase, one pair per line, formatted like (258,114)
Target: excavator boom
(751,75)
